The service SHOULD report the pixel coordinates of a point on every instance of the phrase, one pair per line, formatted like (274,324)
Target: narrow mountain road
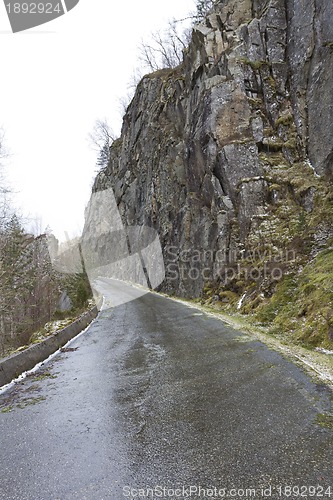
(156,394)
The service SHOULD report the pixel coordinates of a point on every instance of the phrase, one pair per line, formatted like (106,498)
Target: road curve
(156,394)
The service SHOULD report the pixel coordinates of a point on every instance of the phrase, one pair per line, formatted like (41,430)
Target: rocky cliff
(230,158)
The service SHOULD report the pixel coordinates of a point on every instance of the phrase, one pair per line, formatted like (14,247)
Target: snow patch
(312,168)
(324,351)
(240,303)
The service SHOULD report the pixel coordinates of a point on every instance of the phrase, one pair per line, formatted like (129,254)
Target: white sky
(56,80)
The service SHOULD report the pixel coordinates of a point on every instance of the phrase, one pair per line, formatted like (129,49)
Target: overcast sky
(56,80)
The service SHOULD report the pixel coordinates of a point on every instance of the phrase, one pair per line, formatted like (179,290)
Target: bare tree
(100,140)
(101,134)
(123,102)
(125,99)
(165,49)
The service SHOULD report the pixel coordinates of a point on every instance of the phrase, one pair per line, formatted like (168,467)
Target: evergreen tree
(12,275)
(100,140)
(104,155)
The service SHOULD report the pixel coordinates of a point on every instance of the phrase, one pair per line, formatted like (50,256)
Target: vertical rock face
(310,53)
(215,154)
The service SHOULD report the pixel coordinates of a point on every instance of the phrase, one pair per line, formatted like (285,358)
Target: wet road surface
(156,394)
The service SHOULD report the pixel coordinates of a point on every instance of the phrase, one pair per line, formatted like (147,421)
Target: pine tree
(101,139)
(29,286)
(12,276)
(104,155)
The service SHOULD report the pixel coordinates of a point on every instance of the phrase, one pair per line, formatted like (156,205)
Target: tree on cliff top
(100,140)
(202,8)
(165,48)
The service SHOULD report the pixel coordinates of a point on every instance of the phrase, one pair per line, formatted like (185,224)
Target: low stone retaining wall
(12,366)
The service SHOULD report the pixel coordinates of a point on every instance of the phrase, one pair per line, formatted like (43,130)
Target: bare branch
(165,49)
(100,140)
(102,134)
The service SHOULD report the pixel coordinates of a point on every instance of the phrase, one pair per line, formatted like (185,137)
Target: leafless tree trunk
(165,49)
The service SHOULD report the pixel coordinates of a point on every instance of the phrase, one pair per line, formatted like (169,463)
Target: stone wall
(14,365)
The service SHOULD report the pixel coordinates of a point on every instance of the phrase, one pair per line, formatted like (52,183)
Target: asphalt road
(156,394)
